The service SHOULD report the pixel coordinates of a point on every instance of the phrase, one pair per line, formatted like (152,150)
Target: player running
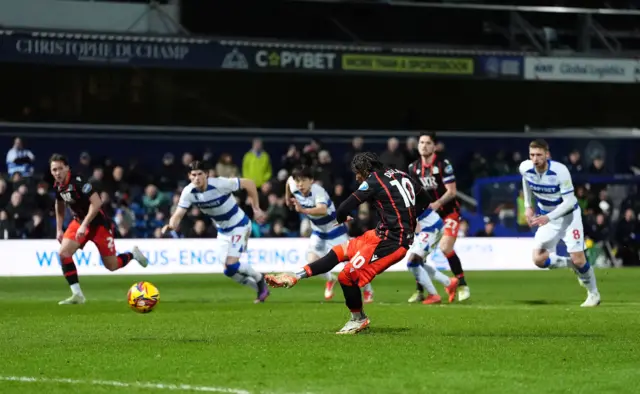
(213,196)
(89,224)
(437,178)
(313,201)
(426,239)
(393,193)
(561,217)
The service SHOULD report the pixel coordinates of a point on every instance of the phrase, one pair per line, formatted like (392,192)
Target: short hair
(302,172)
(540,144)
(197,165)
(366,162)
(430,134)
(59,157)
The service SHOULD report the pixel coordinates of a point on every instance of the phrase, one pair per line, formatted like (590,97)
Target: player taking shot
(311,200)
(398,202)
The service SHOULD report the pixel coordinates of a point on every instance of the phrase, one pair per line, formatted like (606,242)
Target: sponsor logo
(583,70)
(296,60)
(408,64)
(235,60)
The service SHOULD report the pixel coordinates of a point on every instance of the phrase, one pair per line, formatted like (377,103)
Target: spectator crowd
(140,201)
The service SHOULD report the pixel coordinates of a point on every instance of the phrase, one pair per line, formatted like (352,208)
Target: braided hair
(365,163)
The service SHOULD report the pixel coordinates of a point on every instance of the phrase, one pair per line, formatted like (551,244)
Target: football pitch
(521,332)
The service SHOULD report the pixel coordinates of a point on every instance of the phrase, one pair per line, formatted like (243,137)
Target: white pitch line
(113,383)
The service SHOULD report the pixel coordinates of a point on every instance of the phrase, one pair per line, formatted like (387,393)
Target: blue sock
(584,268)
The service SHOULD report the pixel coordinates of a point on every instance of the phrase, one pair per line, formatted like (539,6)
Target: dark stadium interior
(276,99)
(445,28)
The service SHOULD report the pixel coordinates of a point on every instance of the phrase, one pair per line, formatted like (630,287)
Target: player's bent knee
(446,244)
(110,263)
(578,259)
(345,279)
(414,261)
(231,269)
(65,254)
(540,257)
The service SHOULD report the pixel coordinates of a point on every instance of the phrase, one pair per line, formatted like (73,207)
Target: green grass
(521,332)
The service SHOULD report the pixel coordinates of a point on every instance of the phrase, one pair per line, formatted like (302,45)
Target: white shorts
(233,243)
(320,247)
(426,240)
(567,228)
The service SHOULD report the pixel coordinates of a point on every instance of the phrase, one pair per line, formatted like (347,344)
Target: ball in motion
(143,297)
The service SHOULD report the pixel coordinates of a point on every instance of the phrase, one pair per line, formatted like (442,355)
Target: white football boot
(74,299)
(139,257)
(328,289)
(416,297)
(593,299)
(354,326)
(463,293)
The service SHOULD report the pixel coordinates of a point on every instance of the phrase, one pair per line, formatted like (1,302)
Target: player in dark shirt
(398,201)
(89,224)
(437,177)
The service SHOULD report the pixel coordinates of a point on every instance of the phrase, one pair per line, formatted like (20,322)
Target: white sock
(368,287)
(555,261)
(245,280)
(75,289)
(246,270)
(245,275)
(249,282)
(423,278)
(437,275)
(587,276)
(329,277)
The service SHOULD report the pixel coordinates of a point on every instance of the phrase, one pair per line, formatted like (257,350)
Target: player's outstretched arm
(347,206)
(252,192)
(174,221)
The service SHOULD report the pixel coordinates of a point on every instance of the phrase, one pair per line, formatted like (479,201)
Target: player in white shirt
(561,217)
(426,239)
(312,200)
(214,198)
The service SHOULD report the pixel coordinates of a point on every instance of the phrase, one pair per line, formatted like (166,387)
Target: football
(143,297)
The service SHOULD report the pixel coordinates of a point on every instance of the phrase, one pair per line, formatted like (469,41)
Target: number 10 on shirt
(406,191)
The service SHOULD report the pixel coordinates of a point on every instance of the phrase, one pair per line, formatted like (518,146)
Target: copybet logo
(302,60)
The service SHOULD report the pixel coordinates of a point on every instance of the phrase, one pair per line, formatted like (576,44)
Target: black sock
(320,266)
(418,260)
(69,270)
(124,259)
(353,300)
(456,268)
